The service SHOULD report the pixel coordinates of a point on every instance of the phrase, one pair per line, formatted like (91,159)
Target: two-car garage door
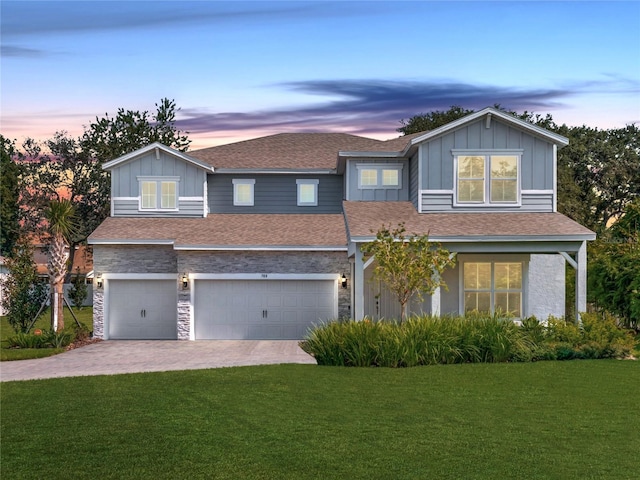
(261,309)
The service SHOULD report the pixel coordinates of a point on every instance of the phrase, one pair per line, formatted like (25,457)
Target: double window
(487,179)
(243,192)
(158,193)
(307,192)
(493,286)
(379,176)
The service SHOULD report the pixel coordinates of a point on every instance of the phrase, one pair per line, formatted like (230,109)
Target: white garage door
(142,309)
(261,309)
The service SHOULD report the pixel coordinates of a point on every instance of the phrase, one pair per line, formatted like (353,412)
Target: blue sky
(244,69)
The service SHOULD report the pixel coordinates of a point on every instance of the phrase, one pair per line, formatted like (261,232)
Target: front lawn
(564,420)
(84,316)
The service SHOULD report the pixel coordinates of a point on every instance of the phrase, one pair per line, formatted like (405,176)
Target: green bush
(426,340)
(45,339)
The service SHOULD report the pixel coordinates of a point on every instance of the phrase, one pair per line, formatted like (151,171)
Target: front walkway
(132,356)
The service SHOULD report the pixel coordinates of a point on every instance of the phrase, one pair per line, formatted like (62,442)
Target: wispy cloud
(22,52)
(42,17)
(371,106)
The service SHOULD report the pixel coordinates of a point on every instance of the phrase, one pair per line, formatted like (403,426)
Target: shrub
(427,340)
(46,339)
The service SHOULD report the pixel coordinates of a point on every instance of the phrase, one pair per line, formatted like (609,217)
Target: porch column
(435,302)
(581,280)
(358,285)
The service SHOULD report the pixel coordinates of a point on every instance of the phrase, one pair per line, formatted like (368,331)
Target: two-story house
(261,239)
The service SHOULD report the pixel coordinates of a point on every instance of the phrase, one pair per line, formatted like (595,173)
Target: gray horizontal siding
(275,194)
(443,202)
(129,208)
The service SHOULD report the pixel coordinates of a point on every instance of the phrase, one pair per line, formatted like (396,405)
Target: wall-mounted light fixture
(185,281)
(343,281)
(99,281)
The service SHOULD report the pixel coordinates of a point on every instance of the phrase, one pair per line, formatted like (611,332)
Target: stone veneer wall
(164,259)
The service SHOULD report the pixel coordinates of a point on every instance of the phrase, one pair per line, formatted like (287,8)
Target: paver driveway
(131,356)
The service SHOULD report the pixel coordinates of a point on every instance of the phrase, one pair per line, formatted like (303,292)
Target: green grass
(44,323)
(544,420)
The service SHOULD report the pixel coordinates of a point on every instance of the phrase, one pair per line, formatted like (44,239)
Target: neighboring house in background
(82,264)
(261,239)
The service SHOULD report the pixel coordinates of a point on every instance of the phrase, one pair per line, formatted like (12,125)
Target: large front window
(493,287)
(487,179)
(158,194)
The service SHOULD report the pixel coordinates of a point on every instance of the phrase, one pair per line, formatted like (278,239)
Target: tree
(9,195)
(614,268)
(23,293)
(78,291)
(108,138)
(60,216)
(72,168)
(432,120)
(407,265)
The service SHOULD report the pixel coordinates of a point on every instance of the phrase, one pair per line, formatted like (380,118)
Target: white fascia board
(263,248)
(534,129)
(141,151)
(283,171)
(496,239)
(377,154)
(125,241)
(140,276)
(264,276)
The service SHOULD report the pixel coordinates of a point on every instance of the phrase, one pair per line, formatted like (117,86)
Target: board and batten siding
(377,194)
(536,167)
(414,186)
(275,193)
(536,162)
(125,187)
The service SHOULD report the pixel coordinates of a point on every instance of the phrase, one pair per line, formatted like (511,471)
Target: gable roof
(364,219)
(490,112)
(152,146)
(228,232)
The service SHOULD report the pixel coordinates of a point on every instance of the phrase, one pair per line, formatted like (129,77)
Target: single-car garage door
(261,309)
(142,309)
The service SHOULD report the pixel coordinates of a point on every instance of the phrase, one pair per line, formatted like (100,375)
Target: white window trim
(379,167)
(158,180)
(493,259)
(307,181)
(487,178)
(244,181)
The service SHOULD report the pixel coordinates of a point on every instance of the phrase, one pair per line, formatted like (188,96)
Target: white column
(358,286)
(581,280)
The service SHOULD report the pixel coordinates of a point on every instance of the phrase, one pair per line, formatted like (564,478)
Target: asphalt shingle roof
(366,218)
(225,230)
(294,150)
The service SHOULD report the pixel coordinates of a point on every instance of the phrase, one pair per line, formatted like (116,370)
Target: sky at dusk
(241,69)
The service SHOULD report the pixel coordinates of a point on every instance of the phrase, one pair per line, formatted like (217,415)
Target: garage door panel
(142,309)
(271,309)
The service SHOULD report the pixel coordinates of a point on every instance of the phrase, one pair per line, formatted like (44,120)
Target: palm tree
(60,216)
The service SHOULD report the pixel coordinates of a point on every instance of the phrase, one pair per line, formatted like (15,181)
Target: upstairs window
(487,179)
(307,192)
(379,176)
(158,193)
(243,192)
